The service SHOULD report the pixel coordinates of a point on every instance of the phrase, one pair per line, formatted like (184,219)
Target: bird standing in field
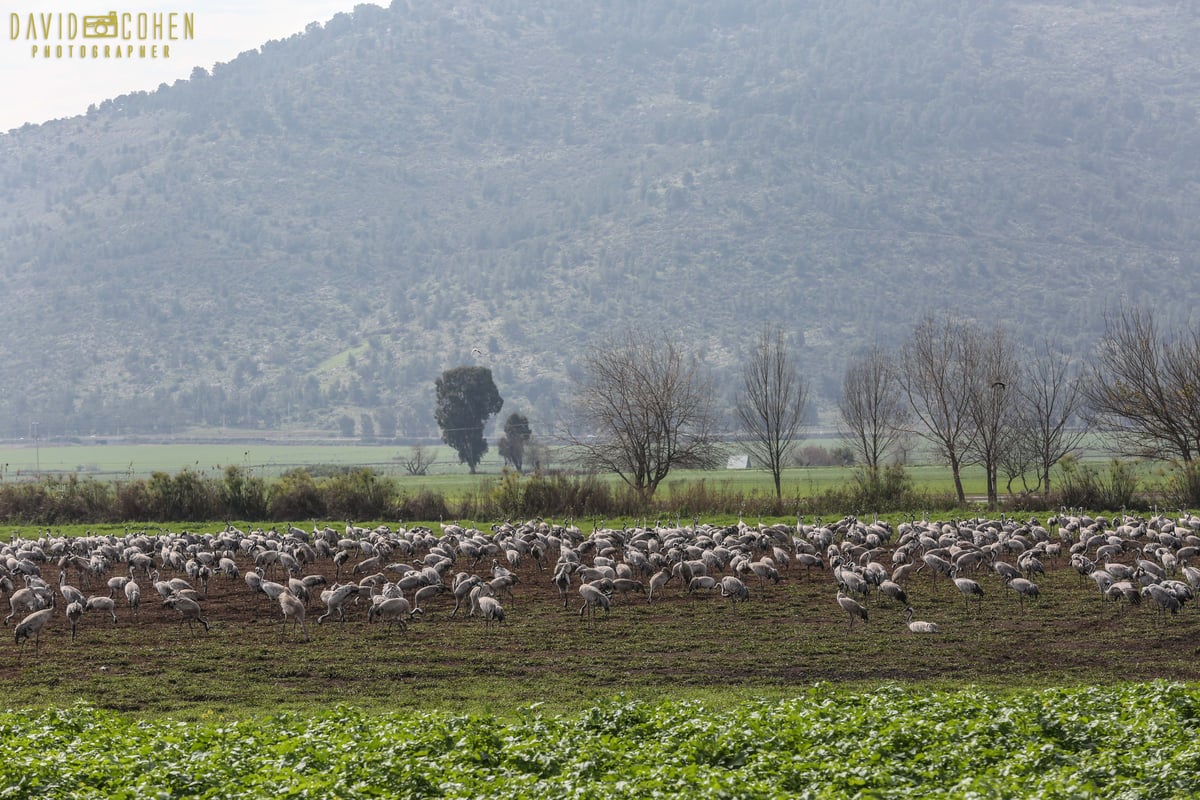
(968,588)
(189,610)
(69,593)
(33,624)
(893,590)
(293,609)
(74,614)
(852,607)
(1024,588)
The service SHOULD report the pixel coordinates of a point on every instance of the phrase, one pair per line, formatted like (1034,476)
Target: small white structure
(738,462)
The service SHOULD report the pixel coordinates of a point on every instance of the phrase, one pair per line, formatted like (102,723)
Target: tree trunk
(958,486)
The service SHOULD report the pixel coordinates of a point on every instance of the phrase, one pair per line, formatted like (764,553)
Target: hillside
(311,233)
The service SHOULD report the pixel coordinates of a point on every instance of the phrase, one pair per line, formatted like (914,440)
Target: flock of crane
(398,574)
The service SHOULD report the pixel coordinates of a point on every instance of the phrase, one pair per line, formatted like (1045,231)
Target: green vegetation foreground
(1132,741)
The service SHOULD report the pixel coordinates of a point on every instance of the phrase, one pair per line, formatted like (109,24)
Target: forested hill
(311,233)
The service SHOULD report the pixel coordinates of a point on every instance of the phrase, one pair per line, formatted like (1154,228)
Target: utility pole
(37,448)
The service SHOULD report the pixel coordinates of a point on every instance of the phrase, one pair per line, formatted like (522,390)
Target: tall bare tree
(990,375)
(772,402)
(643,408)
(933,380)
(873,409)
(1051,400)
(1143,388)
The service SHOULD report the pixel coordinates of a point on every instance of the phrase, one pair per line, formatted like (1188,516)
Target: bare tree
(1021,456)
(1143,388)
(419,460)
(1051,399)
(990,375)
(772,403)
(643,409)
(539,456)
(873,410)
(934,382)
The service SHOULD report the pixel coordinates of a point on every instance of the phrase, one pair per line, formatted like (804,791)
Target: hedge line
(363,494)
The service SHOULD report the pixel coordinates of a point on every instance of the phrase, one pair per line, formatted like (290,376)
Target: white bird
(919,626)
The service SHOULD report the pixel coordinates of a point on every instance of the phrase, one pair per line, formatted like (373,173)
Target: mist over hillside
(307,236)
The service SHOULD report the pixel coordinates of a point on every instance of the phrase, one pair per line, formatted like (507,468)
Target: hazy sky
(36,89)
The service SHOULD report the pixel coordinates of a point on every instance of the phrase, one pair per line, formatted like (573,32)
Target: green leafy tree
(516,436)
(466,398)
(245,495)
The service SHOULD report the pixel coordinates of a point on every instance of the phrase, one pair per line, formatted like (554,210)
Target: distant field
(116,461)
(140,460)
(130,461)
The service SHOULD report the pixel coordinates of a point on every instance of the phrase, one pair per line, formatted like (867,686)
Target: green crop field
(1131,741)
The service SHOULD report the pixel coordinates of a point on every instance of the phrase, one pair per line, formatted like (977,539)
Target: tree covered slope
(317,229)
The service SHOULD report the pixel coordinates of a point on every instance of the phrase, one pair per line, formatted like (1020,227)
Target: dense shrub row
(362,494)
(236,494)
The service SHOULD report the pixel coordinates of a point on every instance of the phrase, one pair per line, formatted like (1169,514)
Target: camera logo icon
(100,27)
